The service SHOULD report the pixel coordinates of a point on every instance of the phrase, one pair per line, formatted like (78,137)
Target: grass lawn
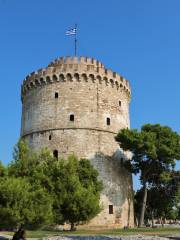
(143,231)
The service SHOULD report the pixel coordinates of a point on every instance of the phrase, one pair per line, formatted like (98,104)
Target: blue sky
(139,39)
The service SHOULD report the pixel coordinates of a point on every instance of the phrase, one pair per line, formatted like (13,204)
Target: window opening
(72,117)
(108,121)
(110,209)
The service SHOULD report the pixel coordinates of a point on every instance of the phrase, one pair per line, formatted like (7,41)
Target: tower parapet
(71,69)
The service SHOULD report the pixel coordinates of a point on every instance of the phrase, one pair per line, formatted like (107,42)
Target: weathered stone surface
(84,88)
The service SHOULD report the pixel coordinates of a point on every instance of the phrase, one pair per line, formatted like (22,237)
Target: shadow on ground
(174,238)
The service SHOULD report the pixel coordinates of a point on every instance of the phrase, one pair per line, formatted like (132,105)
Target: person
(20,234)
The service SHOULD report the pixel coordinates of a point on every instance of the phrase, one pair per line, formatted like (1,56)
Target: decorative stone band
(69,128)
(75,69)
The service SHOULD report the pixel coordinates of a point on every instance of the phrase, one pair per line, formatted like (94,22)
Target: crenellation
(39,71)
(89,61)
(118,78)
(99,65)
(121,78)
(94,62)
(114,74)
(109,73)
(63,68)
(69,60)
(32,73)
(41,79)
(82,60)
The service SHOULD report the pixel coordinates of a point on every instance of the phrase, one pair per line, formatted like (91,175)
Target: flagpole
(75,41)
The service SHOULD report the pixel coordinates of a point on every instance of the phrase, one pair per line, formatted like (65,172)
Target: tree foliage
(71,184)
(21,204)
(163,199)
(155,150)
(80,190)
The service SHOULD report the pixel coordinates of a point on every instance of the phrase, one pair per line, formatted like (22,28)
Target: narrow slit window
(50,137)
(55,154)
(71,117)
(110,209)
(56,95)
(120,103)
(108,121)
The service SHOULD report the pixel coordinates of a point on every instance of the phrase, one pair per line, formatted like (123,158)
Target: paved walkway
(175,236)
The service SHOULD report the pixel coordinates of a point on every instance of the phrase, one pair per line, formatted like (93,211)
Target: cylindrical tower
(77,106)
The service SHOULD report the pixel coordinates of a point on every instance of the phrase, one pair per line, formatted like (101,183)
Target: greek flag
(71,31)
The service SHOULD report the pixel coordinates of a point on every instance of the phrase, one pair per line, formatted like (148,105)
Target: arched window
(54,78)
(71,118)
(55,154)
(61,78)
(76,76)
(69,77)
(112,82)
(48,79)
(99,79)
(91,77)
(108,121)
(84,77)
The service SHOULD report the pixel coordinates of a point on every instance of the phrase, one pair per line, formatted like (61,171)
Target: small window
(55,153)
(110,209)
(71,117)
(120,103)
(56,95)
(50,137)
(108,121)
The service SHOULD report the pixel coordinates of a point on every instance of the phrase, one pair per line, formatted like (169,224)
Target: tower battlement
(76,60)
(69,69)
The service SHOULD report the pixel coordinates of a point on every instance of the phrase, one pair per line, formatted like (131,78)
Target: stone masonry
(77,106)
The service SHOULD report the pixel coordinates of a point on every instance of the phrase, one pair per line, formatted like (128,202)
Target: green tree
(3,170)
(162,200)
(21,204)
(24,160)
(73,184)
(81,192)
(178,212)
(154,152)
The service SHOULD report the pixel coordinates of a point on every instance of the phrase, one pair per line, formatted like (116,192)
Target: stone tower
(75,105)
